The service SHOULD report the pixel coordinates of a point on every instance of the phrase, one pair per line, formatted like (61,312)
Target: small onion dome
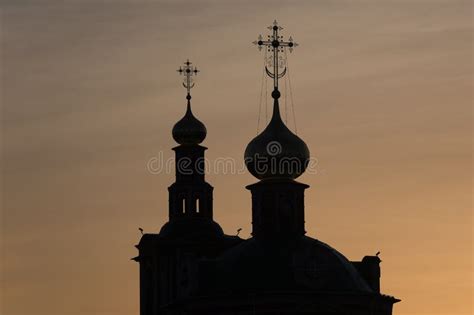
(276,152)
(189,130)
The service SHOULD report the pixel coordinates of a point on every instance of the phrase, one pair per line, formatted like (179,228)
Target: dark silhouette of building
(192,267)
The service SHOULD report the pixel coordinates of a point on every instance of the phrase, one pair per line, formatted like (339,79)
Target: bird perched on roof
(238,231)
(141,230)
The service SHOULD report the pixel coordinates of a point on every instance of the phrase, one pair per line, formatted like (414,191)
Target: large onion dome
(189,130)
(276,152)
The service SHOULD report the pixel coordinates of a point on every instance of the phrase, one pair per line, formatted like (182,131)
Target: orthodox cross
(188,71)
(275,44)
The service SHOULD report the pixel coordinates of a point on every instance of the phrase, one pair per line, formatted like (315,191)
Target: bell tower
(169,260)
(190,196)
(277,156)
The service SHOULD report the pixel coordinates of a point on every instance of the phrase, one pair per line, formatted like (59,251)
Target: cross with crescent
(275,44)
(188,71)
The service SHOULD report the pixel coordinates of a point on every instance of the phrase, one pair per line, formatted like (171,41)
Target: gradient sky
(382,92)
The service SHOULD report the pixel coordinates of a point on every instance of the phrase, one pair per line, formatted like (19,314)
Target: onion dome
(276,152)
(189,130)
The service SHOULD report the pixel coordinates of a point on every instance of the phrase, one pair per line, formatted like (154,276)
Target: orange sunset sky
(382,92)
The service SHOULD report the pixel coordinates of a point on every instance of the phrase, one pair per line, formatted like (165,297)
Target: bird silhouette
(238,231)
(141,230)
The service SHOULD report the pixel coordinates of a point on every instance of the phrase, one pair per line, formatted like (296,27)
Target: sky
(382,95)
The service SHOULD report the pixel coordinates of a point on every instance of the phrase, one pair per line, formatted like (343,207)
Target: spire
(189,130)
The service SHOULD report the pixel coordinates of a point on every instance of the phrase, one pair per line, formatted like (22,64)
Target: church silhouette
(192,267)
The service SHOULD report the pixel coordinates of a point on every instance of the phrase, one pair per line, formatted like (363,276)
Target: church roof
(303,264)
(194,227)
